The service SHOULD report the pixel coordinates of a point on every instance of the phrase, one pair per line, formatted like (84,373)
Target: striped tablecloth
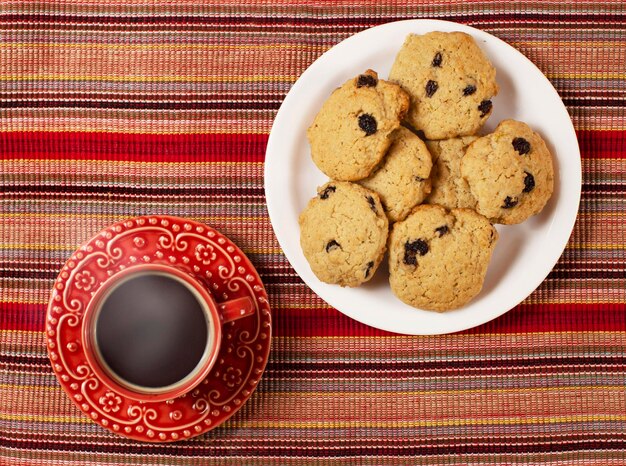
(111,109)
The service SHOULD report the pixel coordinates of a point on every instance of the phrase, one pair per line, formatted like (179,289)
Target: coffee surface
(151,330)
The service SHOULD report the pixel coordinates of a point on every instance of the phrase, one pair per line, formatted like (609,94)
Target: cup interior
(152,332)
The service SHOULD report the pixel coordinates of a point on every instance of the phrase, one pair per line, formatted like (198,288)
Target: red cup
(215,315)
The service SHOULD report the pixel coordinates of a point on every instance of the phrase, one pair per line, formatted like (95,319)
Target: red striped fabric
(206,147)
(115,109)
(325,322)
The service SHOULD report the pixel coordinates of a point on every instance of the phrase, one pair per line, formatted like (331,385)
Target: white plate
(524,254)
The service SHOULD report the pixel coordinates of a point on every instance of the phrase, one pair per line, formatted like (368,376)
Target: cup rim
(138,392)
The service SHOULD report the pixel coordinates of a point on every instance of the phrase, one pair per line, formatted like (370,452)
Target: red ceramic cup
(214,316)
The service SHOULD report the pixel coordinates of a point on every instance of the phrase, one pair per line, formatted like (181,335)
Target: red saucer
(215,261)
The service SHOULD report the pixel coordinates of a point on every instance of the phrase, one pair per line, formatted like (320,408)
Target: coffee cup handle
(236,309)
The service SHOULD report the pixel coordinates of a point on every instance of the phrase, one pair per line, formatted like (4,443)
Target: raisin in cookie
(509,172)
(402,180)
(353,129)
(438,258)
(343,233)
(449,188)
(450,82)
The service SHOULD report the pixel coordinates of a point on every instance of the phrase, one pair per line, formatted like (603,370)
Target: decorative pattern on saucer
(208,256)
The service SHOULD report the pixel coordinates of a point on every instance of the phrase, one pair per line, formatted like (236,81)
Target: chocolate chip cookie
(343,233)
(438,258)
(402,179)
(449,188)
(352,131)
(509,172)
(450,81)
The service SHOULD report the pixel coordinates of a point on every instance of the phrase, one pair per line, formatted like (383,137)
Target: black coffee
(151,330)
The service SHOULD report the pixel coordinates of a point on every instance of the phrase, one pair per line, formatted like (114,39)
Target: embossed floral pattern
(84,280)
(110,402)
(232,377)
(212,260)
(205,253)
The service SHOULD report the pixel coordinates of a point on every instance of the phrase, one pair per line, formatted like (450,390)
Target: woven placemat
(114,109)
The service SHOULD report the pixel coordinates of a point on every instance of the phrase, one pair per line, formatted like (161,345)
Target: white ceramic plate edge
(447,322)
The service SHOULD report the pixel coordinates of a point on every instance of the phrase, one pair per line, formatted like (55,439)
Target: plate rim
(425,25)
